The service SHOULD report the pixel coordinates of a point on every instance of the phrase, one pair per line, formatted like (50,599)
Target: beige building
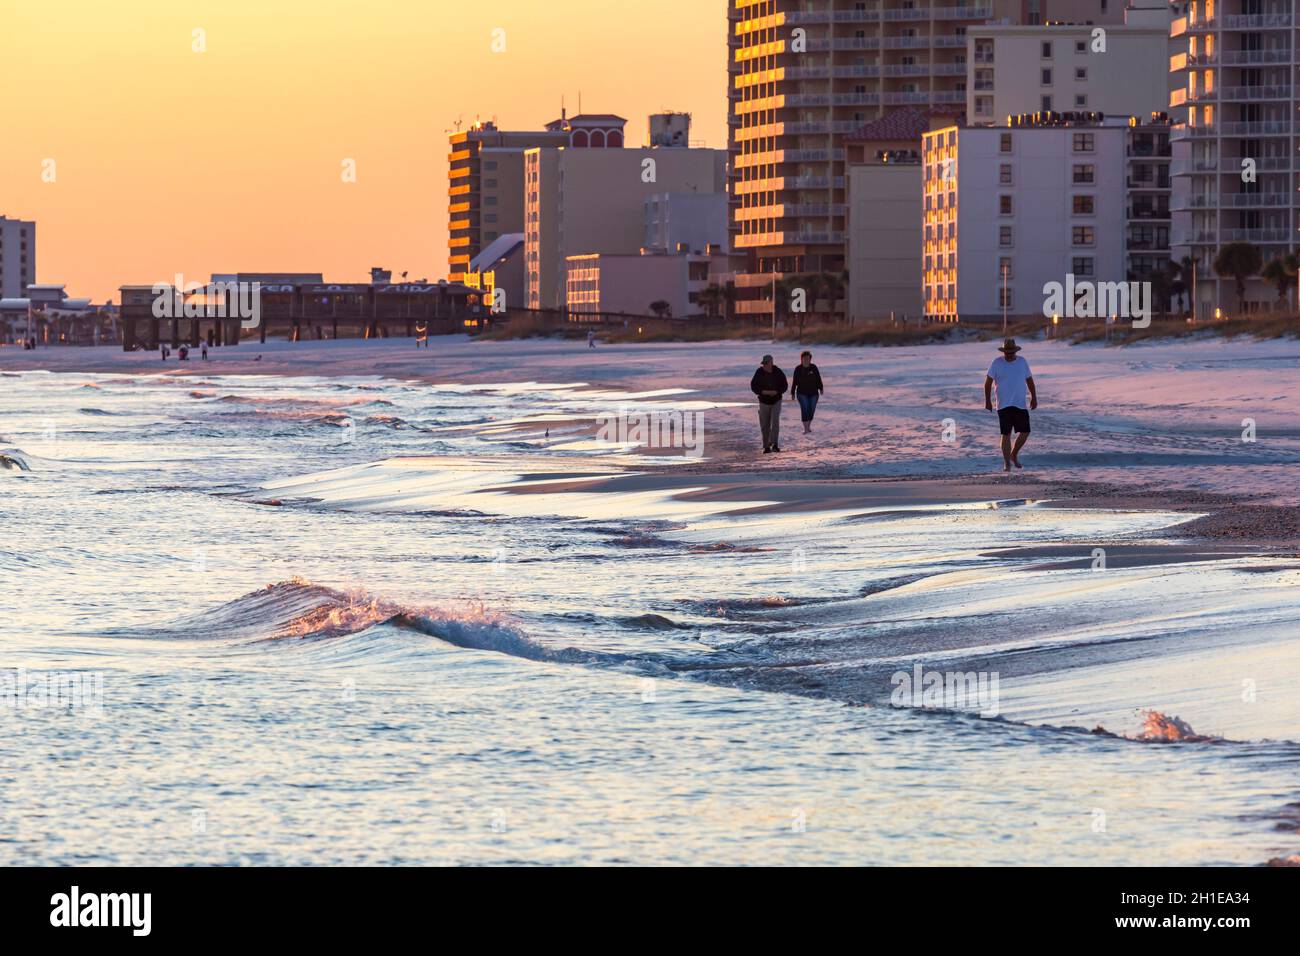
(885,214)
(804,74)
(581,201)
(630,284)
(486,188)
(1121,69)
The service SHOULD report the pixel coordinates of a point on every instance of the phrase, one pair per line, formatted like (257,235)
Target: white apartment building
(1062,67)
(17,257)
(1022,206)
(694,220)
(580,201)
(1237,76)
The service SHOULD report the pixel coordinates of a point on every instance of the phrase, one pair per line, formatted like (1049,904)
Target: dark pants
(808,405)
(769,420)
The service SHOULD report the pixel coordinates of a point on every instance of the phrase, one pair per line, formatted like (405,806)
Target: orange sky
(167,160)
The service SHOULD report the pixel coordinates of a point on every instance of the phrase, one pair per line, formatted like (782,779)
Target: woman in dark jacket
(807,389)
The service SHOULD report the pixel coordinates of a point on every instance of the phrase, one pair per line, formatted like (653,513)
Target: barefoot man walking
(1016,398)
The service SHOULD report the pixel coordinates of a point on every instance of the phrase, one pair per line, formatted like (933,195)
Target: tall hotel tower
(804,74)
(1234,160)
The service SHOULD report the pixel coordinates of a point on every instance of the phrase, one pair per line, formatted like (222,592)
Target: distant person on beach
(807,388)
(421,335)
(769,384)
(1016,398)
(165,351)
(204,350)
(591,338)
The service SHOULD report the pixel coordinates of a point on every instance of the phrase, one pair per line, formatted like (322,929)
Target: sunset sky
(167,160)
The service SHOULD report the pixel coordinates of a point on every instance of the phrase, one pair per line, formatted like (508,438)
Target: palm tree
(1281,271)
(1187,267)
(1239,261)
(710,298)
(661,308)
(729,296)
(1162,284)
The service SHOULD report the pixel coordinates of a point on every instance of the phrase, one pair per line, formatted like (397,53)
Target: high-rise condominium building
(806,73)
(486,187)
(1234,159)
(17,257)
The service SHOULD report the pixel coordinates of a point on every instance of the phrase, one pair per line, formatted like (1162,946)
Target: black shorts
(1012,417)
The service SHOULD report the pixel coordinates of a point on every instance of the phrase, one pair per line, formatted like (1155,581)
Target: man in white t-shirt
(1016,397)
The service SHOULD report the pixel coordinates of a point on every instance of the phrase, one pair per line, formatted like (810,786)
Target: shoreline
(826,476)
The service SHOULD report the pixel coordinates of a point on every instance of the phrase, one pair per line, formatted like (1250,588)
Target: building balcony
(901,14)
(844,43)
(972,12)
(1253,57)
(1256,21)
(1144,214)
(1196,237)
(827,72)
(762,239)
(1258,235)
(1186,167)
(832,99)
(832,16)
(1259,200)
(1258,128)
(1254,94)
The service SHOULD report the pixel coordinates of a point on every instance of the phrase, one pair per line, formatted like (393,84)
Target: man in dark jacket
(769,384)
(807,389)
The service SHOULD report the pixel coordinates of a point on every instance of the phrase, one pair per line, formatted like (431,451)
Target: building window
(1047,49)
(1081,236)
(1004,174)
(1081,73)
(1046,78)
(1085,142)
(1004,205)
(1083,205)
(1080,100)
(1004,143)
(1081,265)
(1005,267)
(1084,172)
(1004,235)
(1046,102)
(1080,46)
(1005,298)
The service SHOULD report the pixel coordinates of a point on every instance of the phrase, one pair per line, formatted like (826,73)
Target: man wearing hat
(1016,397)
(769,384)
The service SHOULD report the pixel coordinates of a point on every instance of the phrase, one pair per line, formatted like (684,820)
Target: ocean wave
(12,460)
(297,610)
